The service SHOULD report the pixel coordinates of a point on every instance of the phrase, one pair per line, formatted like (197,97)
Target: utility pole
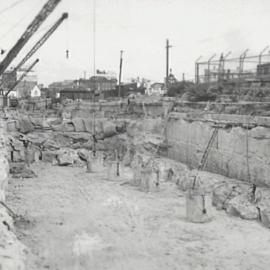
(120,73)
(183,77)
(261,53)
(197,70)
(241,62)
(208,67)
(168,46)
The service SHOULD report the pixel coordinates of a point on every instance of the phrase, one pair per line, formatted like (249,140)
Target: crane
(40,43)
(42,40)
(21,77)
(46,10)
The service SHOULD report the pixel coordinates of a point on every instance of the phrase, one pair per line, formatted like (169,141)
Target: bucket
(29,156)
(89,165)
(113,170)
(137,175)
(149,180)
(198,208)
(97,162)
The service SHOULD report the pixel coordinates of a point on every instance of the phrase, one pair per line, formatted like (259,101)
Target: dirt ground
(83,221)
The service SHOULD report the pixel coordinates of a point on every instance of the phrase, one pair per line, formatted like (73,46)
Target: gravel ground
(76,220)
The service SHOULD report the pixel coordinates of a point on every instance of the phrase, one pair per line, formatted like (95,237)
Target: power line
(94,66)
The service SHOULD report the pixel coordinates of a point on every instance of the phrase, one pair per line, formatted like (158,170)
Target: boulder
(65,127)
(77,136)
(39,123)
(223,193)
(265,217)
(50,145)
(19,170)
(65,158)
(12,125)
(25,125)
(79,125)
(49,156)
(109,129)
(68,156)
(83,154)
(242,207)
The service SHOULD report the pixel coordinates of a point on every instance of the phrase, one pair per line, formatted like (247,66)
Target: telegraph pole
(168,46)
(197,70)
(120,73)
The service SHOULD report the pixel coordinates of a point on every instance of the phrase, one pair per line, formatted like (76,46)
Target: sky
(139,28)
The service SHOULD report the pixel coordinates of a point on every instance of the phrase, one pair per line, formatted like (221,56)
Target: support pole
(120,73)
(168,46)
(241,62)
(208,67)
(197,70)
(261,54)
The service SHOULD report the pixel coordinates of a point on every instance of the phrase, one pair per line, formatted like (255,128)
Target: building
(35,92)
(156,89)
(76,94)
(8,78)
(263,70)
(99,83)
(24,87)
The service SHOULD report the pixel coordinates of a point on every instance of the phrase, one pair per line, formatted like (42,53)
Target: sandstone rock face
(11,250)
(228,155)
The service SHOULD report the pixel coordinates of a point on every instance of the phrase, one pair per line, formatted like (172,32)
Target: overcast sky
(140,28)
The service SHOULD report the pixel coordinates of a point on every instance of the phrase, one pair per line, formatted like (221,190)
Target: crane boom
(30,30)
(42,40)
(21,77)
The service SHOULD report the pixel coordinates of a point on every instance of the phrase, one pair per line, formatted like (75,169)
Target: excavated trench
(73,219)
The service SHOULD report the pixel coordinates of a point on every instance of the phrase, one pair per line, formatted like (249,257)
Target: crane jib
(30,30)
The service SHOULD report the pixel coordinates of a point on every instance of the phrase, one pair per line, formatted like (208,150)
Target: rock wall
(12,252)
(110,108)
(234,151)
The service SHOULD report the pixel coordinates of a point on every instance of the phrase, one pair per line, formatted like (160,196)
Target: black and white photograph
(134,135)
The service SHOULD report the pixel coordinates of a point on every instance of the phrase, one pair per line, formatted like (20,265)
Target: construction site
(124,180)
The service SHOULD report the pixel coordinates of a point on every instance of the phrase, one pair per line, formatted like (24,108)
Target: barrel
(198,209)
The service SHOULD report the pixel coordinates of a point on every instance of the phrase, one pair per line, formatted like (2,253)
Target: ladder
(205,155)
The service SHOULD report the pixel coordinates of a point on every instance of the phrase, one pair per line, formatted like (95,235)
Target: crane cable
(67,33)
(94,67)
(254,187)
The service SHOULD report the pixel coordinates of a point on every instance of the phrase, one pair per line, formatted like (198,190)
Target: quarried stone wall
(237,152)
